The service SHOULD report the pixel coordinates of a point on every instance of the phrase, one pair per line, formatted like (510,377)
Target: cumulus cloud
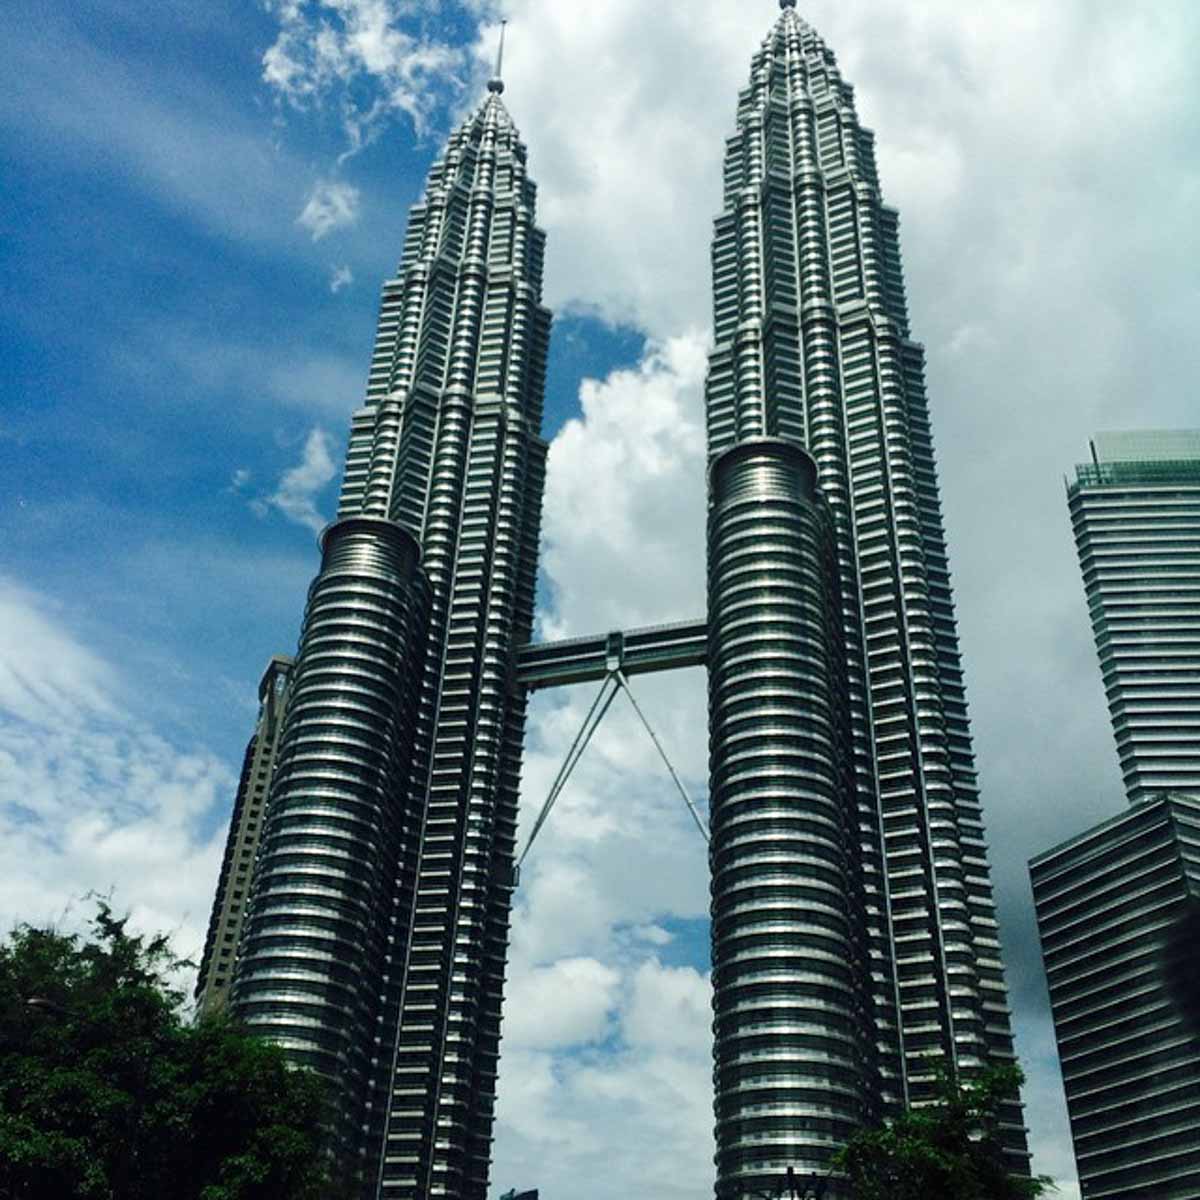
(331,205)
(301,485)
(623,1057)
(634,1119)
(626,479)
(91,797)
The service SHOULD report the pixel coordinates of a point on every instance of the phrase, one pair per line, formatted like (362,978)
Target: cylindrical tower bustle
(322,906)
(792,1053)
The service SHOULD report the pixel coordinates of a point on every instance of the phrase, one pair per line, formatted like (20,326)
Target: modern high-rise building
(855,947)
(374,945)
(1136,512)
(1114,908)
(241,846)
(855,950)
(1112,902)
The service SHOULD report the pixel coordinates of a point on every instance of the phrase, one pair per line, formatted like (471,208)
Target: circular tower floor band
(322,908)
(791,1049)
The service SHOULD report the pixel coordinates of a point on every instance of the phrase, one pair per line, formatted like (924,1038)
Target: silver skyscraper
(1117,905)
(375,944)
(854,942)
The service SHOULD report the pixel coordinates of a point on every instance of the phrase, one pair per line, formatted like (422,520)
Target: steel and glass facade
(1135,509)
(1111,903)
(794,1071)
(854,938)
(374,946)
(1112,907)
(813,349)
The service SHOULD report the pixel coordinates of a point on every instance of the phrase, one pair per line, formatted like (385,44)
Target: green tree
(108,1092)
(950,1150)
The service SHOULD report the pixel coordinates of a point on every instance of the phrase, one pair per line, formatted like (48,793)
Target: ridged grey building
(855,941)
(1113,903)
(374,946)
(854,938)
(1116,909)
(215,976)
(1135,509)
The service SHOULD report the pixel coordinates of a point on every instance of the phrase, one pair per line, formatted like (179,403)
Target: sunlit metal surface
(793,1049)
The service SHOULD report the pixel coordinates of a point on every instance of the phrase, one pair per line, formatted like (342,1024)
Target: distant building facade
(1111,907)
(1136,512)
(1114,904)
(241,846)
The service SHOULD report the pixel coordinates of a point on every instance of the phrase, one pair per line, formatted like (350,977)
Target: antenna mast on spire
(496,84)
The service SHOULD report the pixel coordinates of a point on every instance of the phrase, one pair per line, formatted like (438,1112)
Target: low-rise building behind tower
(241,846)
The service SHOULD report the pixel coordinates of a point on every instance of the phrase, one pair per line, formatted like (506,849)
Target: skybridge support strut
(609,658)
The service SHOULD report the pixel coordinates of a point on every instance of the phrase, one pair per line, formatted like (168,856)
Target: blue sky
(171,337)
(200,203)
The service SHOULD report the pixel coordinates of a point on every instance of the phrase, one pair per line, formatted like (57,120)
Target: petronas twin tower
(853,929)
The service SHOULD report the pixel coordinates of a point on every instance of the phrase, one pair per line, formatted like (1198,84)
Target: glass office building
(1135,509)
(1115,907)
(1113,904)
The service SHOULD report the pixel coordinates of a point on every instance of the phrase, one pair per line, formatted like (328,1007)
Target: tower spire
(496,83)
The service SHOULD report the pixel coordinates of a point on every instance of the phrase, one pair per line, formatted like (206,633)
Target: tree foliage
(950,1150)
(107,1092)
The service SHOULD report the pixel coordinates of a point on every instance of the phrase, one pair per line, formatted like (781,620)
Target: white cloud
(331,205)
(634,1119)
(340,278)
(44,677)
(91,798)
(625,500)
(566,1004)
(626,480)
(324,46)
(301,485)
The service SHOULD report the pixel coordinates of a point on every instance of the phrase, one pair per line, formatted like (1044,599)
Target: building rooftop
(1149,456)
(1130,815)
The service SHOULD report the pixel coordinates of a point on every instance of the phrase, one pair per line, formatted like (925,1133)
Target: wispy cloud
(178,140)
(91,798)
(340,279)
(301,485)
(331,205)
(323,46)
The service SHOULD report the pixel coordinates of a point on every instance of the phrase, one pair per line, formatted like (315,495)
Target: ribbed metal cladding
(1115,906)
(375,947)
(812,345)
(323,906)
(1135,509)
(794,1070)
